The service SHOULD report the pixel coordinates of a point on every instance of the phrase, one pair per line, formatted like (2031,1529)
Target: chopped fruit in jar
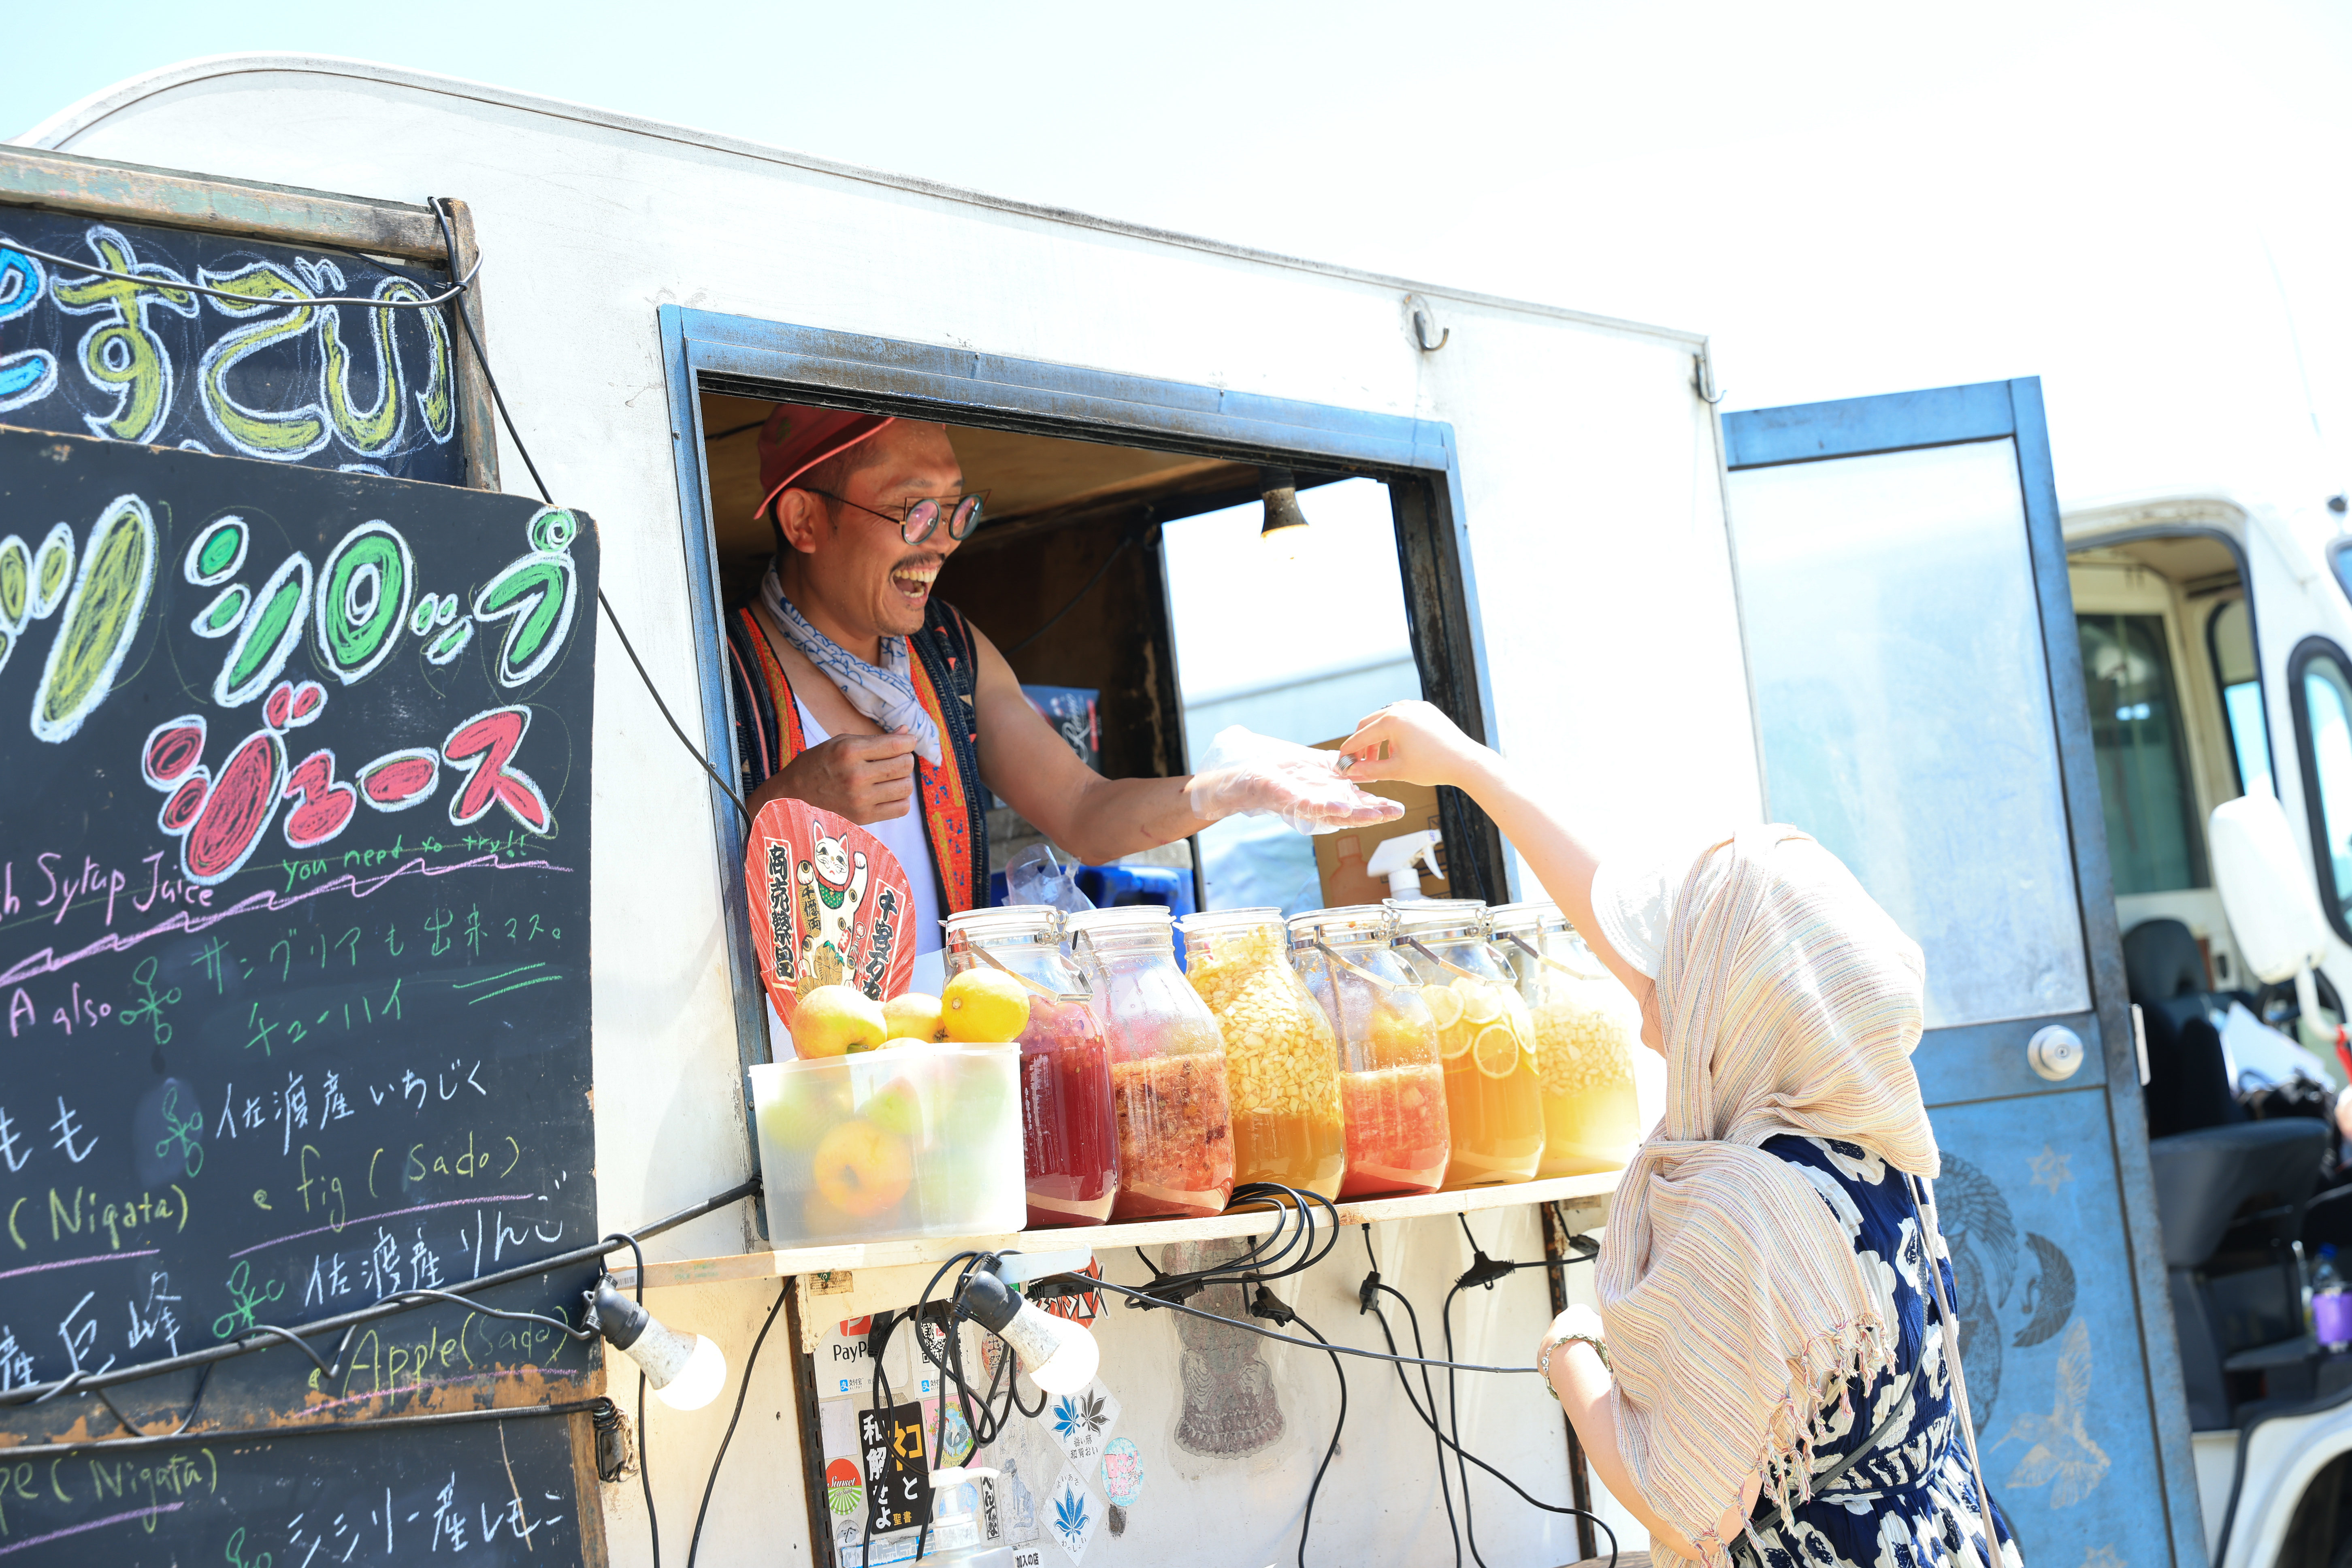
(1586,1029)
(1282,1060)
(1175,1138)
(1396,1130)
(1584,1035)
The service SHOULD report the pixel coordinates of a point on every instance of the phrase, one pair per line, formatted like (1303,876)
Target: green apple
(811,1105)
(896,1107)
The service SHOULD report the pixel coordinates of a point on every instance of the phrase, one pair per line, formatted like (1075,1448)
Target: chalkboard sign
(495,1491)
(294,938)
(267,374)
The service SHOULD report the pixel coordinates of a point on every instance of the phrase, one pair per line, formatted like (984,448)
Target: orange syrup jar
(1282,1061)
(1392,1085)
(1587,1027)
(1485,1040)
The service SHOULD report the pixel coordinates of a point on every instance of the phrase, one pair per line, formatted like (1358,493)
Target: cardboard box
(1340,857)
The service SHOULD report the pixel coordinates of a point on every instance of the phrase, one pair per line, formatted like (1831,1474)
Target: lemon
(1479,1002)
(1445,1006)
(985,1007)
(914,1017)
(1497,1051)
(834,1020)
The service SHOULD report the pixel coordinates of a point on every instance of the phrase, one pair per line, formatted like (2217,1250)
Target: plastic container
(1392,1085)
(918,1139)
(1587,1027)
(1069,1130)
(1167,1065)
(1486,1038)
(1282,1061)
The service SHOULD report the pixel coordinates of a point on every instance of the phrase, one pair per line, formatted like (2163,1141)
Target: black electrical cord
(1145,1299)
(1273,1310)
(449,235)
(1255,1263)
(644,1465)
(1365,1304)
(1055,618)
(694,1544)
(1444,1442)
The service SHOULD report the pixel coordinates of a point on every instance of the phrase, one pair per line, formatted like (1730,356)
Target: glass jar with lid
(1282,1061)
(1587,1027)
(1167,1065)
(1486,1038)
(1069,1130)
(1391,1086)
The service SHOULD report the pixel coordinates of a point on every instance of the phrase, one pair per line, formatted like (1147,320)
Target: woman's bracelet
(1543,1356)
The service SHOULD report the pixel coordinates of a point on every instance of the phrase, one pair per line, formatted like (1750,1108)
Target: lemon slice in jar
(1479,1002)
(1497,1051)
(1445,1006)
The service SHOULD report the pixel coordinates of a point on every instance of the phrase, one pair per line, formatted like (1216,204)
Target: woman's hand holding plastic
(1415,743)
(1251,774)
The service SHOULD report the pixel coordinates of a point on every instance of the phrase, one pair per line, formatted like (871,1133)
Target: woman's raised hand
(1414,743)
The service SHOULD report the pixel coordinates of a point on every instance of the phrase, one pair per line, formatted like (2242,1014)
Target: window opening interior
(1174,617)
(2142,751)
(2229,639)
(1308,640)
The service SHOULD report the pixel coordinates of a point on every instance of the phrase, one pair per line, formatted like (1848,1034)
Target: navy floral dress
(1912,1502)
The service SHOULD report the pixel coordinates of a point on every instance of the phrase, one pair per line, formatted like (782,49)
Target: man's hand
(1249,773)
(866,778)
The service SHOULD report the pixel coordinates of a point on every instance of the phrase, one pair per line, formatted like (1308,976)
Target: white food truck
(1867,618)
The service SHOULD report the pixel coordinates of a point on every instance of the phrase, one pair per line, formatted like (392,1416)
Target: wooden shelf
(824,1265)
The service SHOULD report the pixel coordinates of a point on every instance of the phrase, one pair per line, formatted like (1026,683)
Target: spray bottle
(1395,858)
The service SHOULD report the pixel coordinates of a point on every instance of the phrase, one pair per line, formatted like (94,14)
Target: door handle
(2055,1053)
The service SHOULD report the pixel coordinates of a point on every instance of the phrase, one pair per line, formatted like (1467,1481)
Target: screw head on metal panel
(2055,1052)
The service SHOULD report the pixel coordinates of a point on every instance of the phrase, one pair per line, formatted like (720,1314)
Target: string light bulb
(1059,1354)
(1278,489)
(687,1371)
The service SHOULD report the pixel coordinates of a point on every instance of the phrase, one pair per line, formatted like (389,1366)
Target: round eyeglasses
(919,519)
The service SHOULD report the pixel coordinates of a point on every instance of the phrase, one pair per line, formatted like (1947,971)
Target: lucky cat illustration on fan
(833,887)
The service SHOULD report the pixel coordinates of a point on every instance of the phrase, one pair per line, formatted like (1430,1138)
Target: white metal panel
(1590,474)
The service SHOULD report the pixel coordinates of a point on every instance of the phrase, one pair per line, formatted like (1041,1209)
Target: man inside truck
(859,691)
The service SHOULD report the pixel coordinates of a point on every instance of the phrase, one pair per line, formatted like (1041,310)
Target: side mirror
(2273,905)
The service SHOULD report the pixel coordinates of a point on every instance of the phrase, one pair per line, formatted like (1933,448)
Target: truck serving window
(2321,689)
(2143,755)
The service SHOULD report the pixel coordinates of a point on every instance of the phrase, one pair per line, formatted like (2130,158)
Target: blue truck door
(1919,703)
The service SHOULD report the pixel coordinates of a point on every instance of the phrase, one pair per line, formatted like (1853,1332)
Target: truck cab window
(2322,716)
(2229,635)
(2143,756)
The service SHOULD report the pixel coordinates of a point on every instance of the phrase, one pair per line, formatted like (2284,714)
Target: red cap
(797,439)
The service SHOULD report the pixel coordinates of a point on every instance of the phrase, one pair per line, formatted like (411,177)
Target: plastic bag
(1249,774)
(1038,876)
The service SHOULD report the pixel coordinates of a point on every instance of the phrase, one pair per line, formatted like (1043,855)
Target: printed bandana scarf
(884,693)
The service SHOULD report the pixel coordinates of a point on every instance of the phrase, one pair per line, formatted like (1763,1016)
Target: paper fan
(829,906)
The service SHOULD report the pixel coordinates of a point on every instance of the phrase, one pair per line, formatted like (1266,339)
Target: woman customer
(1769,1378)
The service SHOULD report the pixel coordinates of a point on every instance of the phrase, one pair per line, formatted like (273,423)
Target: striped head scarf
(1735,1305)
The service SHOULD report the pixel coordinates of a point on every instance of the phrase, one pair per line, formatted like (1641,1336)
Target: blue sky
(2142,203)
